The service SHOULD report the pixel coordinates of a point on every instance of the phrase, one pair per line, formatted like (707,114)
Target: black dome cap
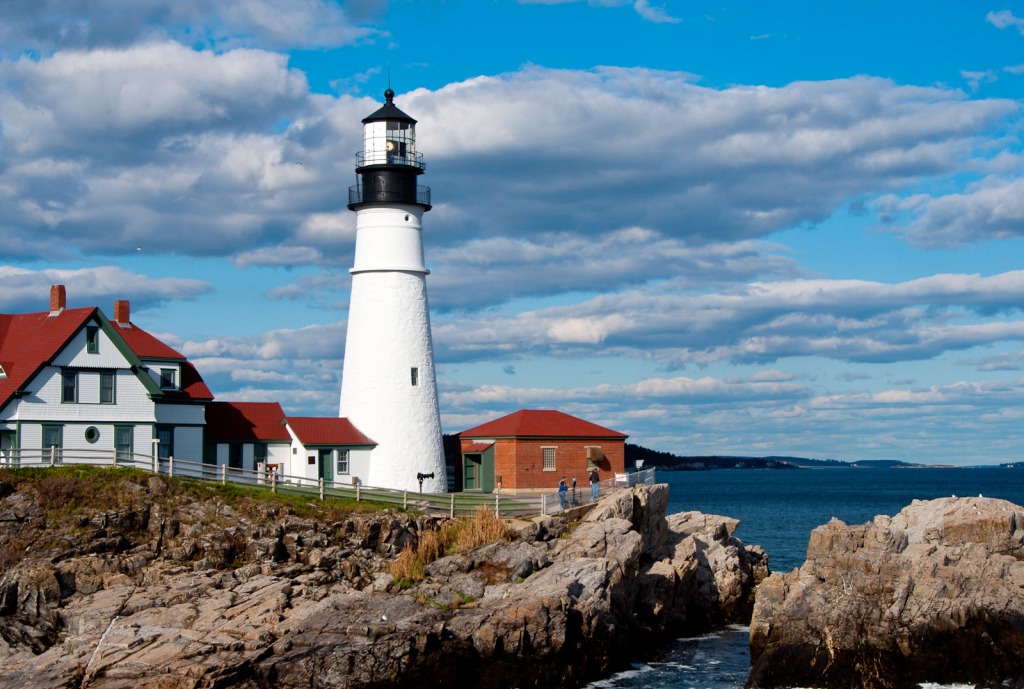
(389,111)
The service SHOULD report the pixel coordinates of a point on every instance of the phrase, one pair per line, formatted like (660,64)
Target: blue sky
(733,228)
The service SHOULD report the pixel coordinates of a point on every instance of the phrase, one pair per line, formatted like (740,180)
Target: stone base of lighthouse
(388,386)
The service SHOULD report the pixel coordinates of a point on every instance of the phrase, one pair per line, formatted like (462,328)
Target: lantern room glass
(391,142)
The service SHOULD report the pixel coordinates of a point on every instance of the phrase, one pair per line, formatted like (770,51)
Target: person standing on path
(563,492)
(595,483)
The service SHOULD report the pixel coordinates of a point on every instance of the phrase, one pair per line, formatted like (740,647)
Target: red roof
(477,447)
(193,386)
(146,346)
(143,344)
(245,421)
(28,342)
(540,423)
(323,430)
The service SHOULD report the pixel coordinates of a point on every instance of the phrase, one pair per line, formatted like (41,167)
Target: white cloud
(849,320)
(990,209)
(975,78)
(697,162)
(44,25)
(132,101)
(1004,19)
(285,256)
(654,14)
(487,271)
(24,290)
(648,12)
(181,150)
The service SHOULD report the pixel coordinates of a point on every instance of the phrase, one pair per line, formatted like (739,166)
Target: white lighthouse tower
(388,385)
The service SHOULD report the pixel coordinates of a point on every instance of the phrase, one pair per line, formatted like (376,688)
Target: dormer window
(168,379)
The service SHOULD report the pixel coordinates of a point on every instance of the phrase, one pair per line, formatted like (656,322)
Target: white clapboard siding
(106,356)
(88,387)
(132,403)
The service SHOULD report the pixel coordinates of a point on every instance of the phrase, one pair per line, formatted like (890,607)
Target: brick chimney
(122,312)
(58,299)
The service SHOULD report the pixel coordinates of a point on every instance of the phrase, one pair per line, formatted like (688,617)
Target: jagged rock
(194,594)
(704,577)
(934,594)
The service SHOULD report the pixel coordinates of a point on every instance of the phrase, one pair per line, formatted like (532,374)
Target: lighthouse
(388,384)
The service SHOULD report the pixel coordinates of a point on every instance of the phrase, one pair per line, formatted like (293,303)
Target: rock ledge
(934,594)
(197,595)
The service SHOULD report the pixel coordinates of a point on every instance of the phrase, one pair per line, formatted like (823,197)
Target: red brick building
(531,449)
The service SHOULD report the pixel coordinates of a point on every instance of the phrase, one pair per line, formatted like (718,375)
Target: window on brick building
(549,458)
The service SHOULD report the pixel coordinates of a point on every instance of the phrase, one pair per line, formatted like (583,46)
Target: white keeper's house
(74,381)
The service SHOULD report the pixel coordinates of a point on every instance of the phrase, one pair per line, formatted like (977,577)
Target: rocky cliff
(934,594)
(166,591)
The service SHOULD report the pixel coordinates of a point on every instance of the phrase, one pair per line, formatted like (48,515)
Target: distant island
(666,461)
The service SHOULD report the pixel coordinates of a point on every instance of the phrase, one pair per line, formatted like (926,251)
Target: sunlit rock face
(180,593)
(934,594)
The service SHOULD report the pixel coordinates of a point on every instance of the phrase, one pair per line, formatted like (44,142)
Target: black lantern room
(388,165)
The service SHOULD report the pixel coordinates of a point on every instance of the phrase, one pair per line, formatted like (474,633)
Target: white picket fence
(452,504)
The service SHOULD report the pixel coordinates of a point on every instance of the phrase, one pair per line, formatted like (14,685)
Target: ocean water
(777,510)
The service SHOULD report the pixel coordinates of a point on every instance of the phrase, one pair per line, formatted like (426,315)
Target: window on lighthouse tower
(414,376)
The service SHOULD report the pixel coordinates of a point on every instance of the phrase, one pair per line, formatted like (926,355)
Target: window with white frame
(341,464)
(549,458)
(594,455)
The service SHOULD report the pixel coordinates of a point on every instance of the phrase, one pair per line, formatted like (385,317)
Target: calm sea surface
(777,510)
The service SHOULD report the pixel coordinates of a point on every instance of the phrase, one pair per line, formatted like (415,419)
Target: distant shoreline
(665,461)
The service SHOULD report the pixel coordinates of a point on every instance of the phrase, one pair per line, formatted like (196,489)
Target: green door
(326,468)
(471,472)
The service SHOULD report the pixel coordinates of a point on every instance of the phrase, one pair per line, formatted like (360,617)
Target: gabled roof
(322,430)
(245,421)
(29,341)
(476,447)
(540,423)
